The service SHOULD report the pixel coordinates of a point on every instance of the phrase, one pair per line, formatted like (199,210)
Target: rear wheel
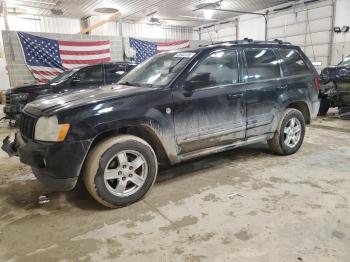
(120,170)
(290,133)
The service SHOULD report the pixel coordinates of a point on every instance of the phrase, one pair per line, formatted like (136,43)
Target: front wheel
(120,170)
(290,133)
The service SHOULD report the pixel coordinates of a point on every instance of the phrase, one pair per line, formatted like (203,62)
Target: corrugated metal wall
(154,31)
(40,24)
(341,46)
(251,26)
(218,33)
(308,26)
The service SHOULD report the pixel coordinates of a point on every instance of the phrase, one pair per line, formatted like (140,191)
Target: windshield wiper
(137,84)
(127,84)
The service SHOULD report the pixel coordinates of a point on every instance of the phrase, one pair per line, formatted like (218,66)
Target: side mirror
(75,80)
(197,81)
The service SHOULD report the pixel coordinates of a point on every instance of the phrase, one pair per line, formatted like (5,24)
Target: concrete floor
(293,208)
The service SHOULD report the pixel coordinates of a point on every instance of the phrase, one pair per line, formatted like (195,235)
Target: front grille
(27,126)
(8,98)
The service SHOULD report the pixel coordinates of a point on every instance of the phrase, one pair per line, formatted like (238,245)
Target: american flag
(145,49)
(46,58)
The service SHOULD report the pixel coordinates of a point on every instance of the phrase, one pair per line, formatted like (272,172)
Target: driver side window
(220,68)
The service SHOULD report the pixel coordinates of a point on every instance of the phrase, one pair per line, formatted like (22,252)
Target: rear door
(212,114)
(298,75)
(263,87)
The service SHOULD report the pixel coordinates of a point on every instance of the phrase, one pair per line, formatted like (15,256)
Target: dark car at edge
(335,88)
(173,107)
(91,76)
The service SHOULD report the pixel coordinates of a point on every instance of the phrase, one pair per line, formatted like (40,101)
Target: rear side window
(90,74)
(262,64)
(221,67)
(294,63)
(114,73)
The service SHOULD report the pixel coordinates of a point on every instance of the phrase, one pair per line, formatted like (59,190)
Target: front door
(213,113)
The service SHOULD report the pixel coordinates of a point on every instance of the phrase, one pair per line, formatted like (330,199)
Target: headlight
(47,129)
(19,97)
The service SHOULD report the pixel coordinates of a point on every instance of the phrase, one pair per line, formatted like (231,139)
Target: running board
(218,149)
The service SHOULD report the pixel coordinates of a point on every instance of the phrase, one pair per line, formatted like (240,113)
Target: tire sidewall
(100,186)
(286,149)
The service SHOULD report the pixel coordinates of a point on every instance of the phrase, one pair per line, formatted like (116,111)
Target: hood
(62,102)
(30,88)
(334,73)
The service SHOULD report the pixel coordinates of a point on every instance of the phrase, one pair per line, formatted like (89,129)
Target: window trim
(278,56)
(199,62)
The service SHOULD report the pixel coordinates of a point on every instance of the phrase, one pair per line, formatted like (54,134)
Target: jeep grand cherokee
(173,107)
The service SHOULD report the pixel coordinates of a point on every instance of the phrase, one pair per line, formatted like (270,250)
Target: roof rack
(251,41)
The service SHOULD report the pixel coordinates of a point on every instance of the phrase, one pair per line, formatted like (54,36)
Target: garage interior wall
(67,28)
(341,41)
(18,71)
(308,26)
(33,24)
(219,33)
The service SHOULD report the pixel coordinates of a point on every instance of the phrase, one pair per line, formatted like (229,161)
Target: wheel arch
(142,131)
(303,108)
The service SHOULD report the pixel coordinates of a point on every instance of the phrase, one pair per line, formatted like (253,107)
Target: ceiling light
(106,10)
(208,13)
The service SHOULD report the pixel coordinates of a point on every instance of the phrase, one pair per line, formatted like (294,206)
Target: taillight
(317,84)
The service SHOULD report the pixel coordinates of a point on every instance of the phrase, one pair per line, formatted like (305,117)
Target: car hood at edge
(62,102)
(35,88)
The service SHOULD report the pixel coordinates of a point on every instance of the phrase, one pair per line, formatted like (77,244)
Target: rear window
(294,63)
(262,64)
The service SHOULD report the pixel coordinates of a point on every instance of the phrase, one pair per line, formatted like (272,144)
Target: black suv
(335,89)
(78,78)
(174,107)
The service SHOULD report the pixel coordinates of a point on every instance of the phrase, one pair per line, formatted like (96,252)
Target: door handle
(235,95)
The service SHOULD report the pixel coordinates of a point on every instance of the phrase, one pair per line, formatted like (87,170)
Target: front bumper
(56,165)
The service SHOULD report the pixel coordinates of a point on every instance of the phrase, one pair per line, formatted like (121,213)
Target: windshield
(158,71)
(62,77)
(345,62)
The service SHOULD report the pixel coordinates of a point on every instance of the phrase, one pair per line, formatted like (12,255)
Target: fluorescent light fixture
(208,13)
(317,63)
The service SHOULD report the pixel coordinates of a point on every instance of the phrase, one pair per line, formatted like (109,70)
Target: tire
(278,143)
(324,107)
(116,154)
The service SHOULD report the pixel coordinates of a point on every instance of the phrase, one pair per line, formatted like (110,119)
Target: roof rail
(251,41)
